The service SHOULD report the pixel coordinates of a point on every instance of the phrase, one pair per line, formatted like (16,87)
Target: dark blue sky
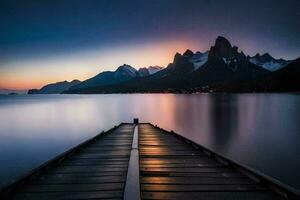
(41,29)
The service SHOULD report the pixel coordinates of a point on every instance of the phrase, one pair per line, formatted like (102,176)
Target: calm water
(259,130)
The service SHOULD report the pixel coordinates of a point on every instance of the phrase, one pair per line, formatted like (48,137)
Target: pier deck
(144,162)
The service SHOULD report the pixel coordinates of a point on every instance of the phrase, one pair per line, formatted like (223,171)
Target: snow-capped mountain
(154,69)
(125,70)
(198,59)
(146,71)
(223,68)
(268,62)
(122,74)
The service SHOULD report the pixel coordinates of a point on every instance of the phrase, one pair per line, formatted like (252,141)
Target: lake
(261,131)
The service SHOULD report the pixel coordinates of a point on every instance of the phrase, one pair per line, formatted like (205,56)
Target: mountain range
(54,88)
(4,91)
(223,68)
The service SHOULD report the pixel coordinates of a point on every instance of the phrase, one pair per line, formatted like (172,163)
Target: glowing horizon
(38,72)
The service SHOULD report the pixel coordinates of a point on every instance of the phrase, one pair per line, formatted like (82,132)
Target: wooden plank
(169,153)
(73,187)
(105,153)
(176,161)
(82,175)
(116,194)
(84,169)
(96,156)
(88,162)
(194,174)
(181,165)
(101,164)
(257,195)
(189,188)
(196,180)
(78,180)
(97,159)
(187,169)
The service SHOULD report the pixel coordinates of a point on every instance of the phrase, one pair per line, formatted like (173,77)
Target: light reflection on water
(258,130)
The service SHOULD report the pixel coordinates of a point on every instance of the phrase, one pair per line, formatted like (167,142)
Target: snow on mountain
(146,71)
(268,62)
(154,69)
(126,70)
(231,62)
(130,71)
(272,65)
(199,59)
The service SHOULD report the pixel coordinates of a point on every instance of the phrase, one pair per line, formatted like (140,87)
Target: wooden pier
(142,161)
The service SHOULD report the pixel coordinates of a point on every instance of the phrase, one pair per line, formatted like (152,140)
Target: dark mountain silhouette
(124,73)
(223,68)
(285,79)
(54,88)
(9,91)
(227,69)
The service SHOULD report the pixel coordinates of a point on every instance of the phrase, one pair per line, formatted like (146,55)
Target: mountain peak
(146,71)
(178,58)
(222,43)
(267,56)
(75,81)
(222,49)
(188,53)
(126,70)
(126,67)
(55,88)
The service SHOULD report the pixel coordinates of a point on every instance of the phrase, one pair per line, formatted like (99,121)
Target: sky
(45,41)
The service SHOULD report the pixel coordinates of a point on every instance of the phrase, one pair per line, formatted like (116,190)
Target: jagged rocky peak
(126,70)
(146,71)
(267,57)
(178,58)
(188,53)
(181,59)
(221,49)
(154,69)
(268,62)
(235,50)
(181,64)
(143,72)
(222,43)
(224,50)
(126,67)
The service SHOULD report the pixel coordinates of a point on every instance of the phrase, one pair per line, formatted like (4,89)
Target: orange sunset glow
(36,72)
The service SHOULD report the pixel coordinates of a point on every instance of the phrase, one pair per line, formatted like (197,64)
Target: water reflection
(224,119)
(259,130)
